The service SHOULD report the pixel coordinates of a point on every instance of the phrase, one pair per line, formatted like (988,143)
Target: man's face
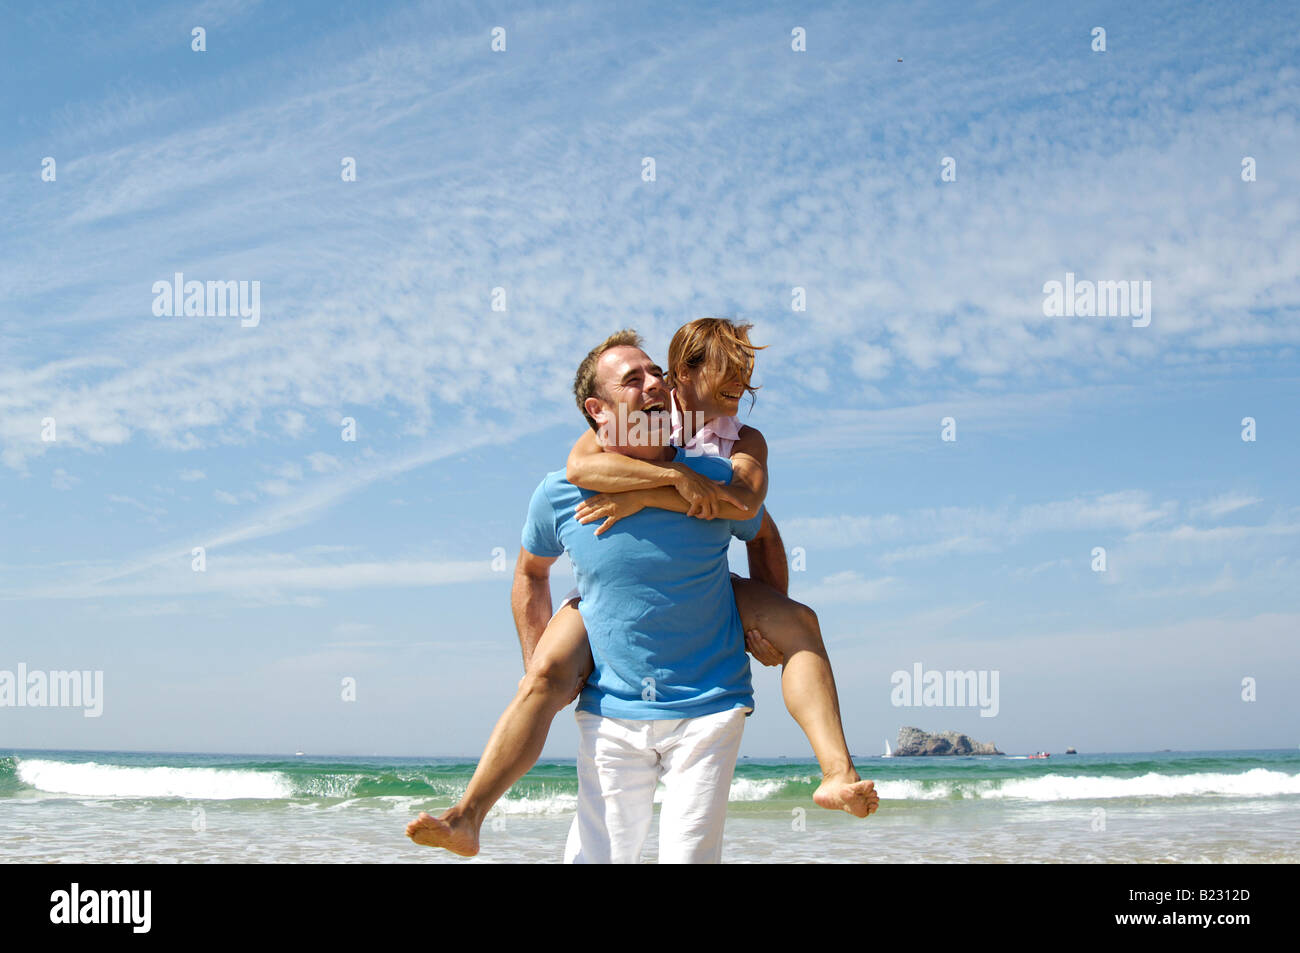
(633,402)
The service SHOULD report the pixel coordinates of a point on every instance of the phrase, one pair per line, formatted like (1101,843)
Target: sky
(886,205)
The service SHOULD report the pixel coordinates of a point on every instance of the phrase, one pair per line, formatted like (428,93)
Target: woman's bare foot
(847,793)
(453,831)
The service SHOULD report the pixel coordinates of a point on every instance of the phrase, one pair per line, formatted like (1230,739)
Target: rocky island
(913,742)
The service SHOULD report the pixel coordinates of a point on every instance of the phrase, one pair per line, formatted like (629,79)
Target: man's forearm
(766,555)
(530,601)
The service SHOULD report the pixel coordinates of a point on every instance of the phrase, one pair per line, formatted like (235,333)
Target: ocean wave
(1258,782)
(742,789)
(559,802)
(91,779)
(557,794)
(931,790)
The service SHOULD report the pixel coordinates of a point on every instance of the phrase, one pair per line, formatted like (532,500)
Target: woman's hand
(702,495)
(763,650)
(611,507)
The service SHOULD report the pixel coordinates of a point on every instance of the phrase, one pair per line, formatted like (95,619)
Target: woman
(710,364)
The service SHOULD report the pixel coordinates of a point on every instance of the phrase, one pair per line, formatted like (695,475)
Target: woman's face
(709,391)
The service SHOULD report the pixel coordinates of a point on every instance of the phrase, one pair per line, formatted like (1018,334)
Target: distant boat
(1070,751)
(888,751)
(1041,754)
(297,754)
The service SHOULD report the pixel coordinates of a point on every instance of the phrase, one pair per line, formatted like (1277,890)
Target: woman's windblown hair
(715,342)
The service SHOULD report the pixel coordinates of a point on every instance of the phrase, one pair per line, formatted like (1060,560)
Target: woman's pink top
(713,439)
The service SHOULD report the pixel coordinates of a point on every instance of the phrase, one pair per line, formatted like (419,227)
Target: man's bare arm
(530,600)
(766,554)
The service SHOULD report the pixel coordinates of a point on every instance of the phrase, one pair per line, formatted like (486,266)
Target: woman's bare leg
(809,689)
(561,662)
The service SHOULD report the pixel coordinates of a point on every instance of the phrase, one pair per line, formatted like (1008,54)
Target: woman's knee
(807,620)
(555,673)
(803,630)
(547,677)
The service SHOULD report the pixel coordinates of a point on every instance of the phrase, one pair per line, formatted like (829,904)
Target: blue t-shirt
(657,601)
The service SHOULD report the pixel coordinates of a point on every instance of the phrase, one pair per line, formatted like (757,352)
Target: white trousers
(621,761)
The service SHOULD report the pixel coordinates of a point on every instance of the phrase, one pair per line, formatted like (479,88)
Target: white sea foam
(929,791)
(89,779)
(1258,782)
(567,802)
(331,786)
(743,789)
(558,803)
(94,780)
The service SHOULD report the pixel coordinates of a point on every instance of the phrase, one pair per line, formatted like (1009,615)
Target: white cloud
(296,510)
(943,547)
(63,480)
(130,501)
(268,578)
(1223,505)
(847,586)
(871,362)
(943,278)
(323,462)
(293,423)
(934,532)
(1186,545)
(289,470)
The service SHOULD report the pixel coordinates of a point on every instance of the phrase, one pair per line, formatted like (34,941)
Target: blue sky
(522,170)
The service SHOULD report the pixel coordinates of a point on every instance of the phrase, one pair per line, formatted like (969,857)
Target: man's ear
(599,413)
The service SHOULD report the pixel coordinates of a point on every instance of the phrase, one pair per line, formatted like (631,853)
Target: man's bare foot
(454,832)
(848,793)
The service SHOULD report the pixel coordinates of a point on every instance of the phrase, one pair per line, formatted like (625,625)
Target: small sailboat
(297,754)
(888,751)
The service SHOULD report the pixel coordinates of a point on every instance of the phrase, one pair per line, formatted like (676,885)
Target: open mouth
(728,395)
(655,407)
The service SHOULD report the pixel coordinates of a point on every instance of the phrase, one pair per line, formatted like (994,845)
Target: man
(670,689)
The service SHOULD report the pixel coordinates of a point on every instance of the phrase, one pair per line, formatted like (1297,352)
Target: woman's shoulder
(750,441)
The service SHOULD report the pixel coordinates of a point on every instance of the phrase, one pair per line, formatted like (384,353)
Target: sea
(1153,807)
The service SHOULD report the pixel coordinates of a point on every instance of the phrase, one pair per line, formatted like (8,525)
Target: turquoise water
(1218,806)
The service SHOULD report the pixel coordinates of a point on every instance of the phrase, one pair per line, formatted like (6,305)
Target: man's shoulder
(556,489)
(547,510)
(553,478)
(553,481)
(711,466)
